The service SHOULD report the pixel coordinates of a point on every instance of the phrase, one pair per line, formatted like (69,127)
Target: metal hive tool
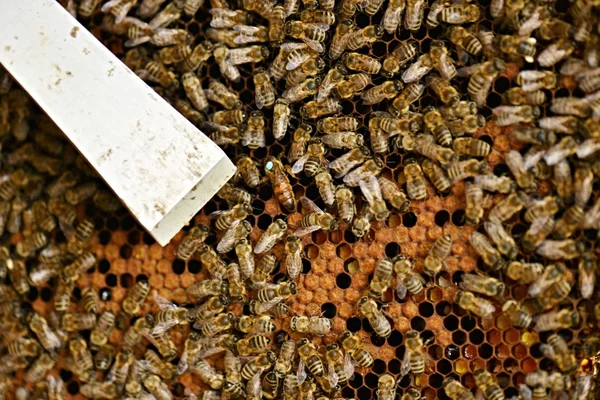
(338,266)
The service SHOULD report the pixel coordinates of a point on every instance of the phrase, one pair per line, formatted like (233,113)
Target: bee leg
(288,170)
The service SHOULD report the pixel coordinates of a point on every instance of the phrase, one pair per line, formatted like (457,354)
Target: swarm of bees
(307,59)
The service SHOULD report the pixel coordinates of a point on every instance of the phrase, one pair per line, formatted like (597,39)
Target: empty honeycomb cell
(467,323)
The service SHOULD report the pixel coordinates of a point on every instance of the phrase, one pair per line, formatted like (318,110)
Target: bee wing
(532,159)
(391,19)
(525,392)
(182,365)
(67,229)
(405,366)
(322,27)
(587,282)
(231,72)
(481,96)
(479,395)
(531,75)
(280,124)
(299,164)
(163,303)
(313,44)
(401,289)
(210,352)
(246,29)
(468,71)
(254,387)
(348,366)
(301,372)
(332,376)
(108,5)
(137,41)
(307,230)
(146,366)
(227,238)
(163,326)
(310,205)
(267,305)
(371,189)
(531,24)
(415,72)
(293,264)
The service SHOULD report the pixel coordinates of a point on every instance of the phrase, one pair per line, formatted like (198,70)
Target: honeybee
(232,217)
(415,358)
(436,125)
(311,34)
(254,133)
(118,9)
(281,118)
(425,145)
(517,96)
(229,117)
(299,140)
(135,297)
(418,69)
(206,287)
(393,194)
(554,320)
(72,322)
(372,192)
(534,136)
(221,53)
(560,151)
(361,63)
(371,167)
(386,387)
(17,272)
(560,124)
(476,305)
(410,94)
(531,80)
(343,164)
(353,346)
(587,276)
(551,275)
(272,235)
(506,208)
(392,15)
(407,280)
(456,391)
(280,183)
(352,85)
(102,330)
(218,324)
(415,181)
(488,385)
(471,147)
(489,254)
(442,60)
(369,309)
(284,362)
(569,222)
(249,171)
(191,349)
(171,314)
(439,251)
(302,90)
(46,336)
(104,357)
(362,223)
(24,347)
(156,365)
(415,10)
(263,269)
(558,351)
(157,72)
(436,175)
(517,314)
(505,243)
(293,261)
(200,54)
(191,241)
(309,357)
(313,325)
(258,365)
(555,52)
(337,124)
(210,376)
(219,93)
(343,140)
(571,106)
(398,58)
(99,390)
(509,115)
(82,359)
(345,203)
(524,273)
(482,78)
(377,94)
(310,67)
(482,284)
(554,381)
(518,46)
(464,39)
(364,36)
(276,22)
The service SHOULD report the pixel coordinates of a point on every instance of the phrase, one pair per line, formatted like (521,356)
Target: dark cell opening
(264,221)
(178,266)
(501,170)
(348,392)
(141,277)
(417,323)
(566,334)
(501,85)
(405,381)
(536,351)
(395,339)
(278,278)
(32,295)
(485,350)
(356,381)
(306,266)
(125,251)
(329,310)
(394,366)
(98,223)
(377,340)
(378,366)
(476,336)
(178,389)
(458,217)
(441,217)
(65,375)
(149,240)
(104,237)
(76,294)
(46,294)
(112,223)
(467,323)
(371,380)
(367,326)
(546,364)
(487,139)
(349,237)
(452,352)
(409,219)
(103,266)
(126,280)
(379,49)
(451,322)
(105,294)
(194,266)
(353,324)
(127,223)
(459,337)
(436,380)
(392,249)
(134,237)
(443,308)
(111,280)
(426,309)
(444,367)
(73,388)
(364,393)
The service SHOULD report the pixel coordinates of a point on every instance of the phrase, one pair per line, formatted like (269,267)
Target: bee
(456,391)
(361,63)
(559,124)
(386,387)
(506,208)
(215,325)
(471,147)
(587,277)
(17,272)
(364,36)
(62,298)
(254,133)
(264,268)
(353,346)
(229,117)
(377,94)
(558,351)
(418,69)
(40,367)
(518,46)
(102,330)
(442,61)
(505,243)
(517,314)
(249,171)
(275,293)
(393,194)
(73,271)
(352,85)
(211,260)
(425,145)
(371,167)
(87,7)
(548,206)
(398,58)
(82,360)
(232,217)
(551,275)
(244,55)
(407,280)
(439,251)
(191,241)
(464,39)
(334,77)
(382,277)
(368,308)
(436,175)
(414,357)
(280,183)
(299,140)
(233,235)
(310,33)
(410,94)
(415,181)
(257,325)
(72,322)
(481,80)
(571,106)
(362,223)
(205,288)
(337,124)
(560,151)
(135,297)
(24,347)
(372,193)
(46,336)
(413,19)
(509,115)
(517,96)
(99,390)
(476,305)
(309,68)
(171,315)
(339,365)
(310,357)
(104,357)
(283,364)
(554,320)
(219,93)
(555,52)
(258,365)
(489,254)
(482,284)
(281,117)
(343,164)
(488,385)
(531,80)
(437,126)
(313,325)
(157,388)
(392,15)
(345,203)
(554,381)
(272,235)
(524,273)
(293,261)
(534,136)
(460,14)
(302,90)
(568,223)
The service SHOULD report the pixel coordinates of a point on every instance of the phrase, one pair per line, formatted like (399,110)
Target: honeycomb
(338,266)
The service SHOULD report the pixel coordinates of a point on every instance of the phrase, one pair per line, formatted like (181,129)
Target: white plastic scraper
(159,164)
